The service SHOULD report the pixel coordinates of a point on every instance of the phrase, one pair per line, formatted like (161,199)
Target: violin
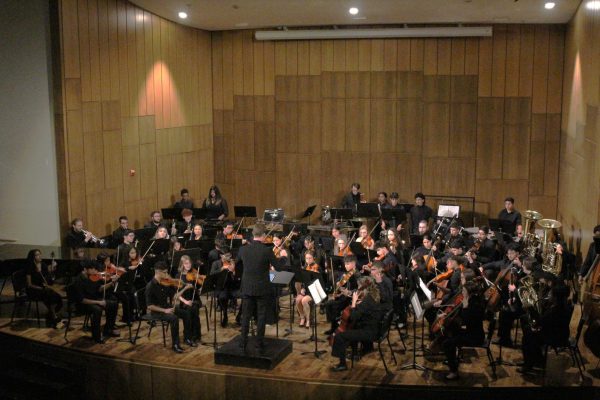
(112,270)
(314,267)
(342,282)
(193,276)
(430,261)
(232,236)
(100,276)
(367,242)
(170,282)
(345,252)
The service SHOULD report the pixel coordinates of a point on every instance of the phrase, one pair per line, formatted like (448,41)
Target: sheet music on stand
(416,304)
(425,289)
(317,292)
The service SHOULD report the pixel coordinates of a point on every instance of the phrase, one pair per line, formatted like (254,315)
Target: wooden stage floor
(303,369)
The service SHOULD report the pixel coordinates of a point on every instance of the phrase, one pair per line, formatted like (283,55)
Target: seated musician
(215,254)
(231,288)
(343,249)
(487,247)
(384,284)
(428,247)
(94,296)
(309,245)
(186,201)
(336,234)
(454,235)
(394,243)
(161,233)
(448,282)
(589,257)
(364,238)
(133,263)
(158,301)
(411,278)
(123,289)
(122,230)
(196,233)
(423,228)
(39,279)
(551,328)
(352,199)
(454,248)
(155,220)
(190,302)
(127,242)
(387,259)
(342,296)
(303,300)
(470,315)
(215,205)
(365,318)
(492,269)
(184,227)
(279,249)
(419,212)
(509,213)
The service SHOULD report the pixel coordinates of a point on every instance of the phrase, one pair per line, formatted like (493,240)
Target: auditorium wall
(579,189)
(135,124)
(296,122)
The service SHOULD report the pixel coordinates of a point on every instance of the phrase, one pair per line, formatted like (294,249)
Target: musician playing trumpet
(77,237)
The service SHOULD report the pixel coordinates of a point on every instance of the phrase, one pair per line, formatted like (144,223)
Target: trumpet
(94,238)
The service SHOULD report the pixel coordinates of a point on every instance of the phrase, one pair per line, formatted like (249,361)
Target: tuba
(528,293)
(531,241)
(551,260)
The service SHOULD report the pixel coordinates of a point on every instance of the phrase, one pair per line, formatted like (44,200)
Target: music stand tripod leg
(414,364)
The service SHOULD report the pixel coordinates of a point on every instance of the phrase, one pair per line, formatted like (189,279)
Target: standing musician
(231,288)
(256,285)
(189,301)
(122,230)
(395,224)
(411,277)
(365,316)
(93,287)
(590,256)
(419,212)
(39,279)
(509,213)
(303,300)
(352,199)
(159,293)
(552,329)
(343,293)
(215,205)
(77,238)
(186,201)
(184,227)
(155,220)
(470,313)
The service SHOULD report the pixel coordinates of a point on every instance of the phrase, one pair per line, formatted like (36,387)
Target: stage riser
(110,378)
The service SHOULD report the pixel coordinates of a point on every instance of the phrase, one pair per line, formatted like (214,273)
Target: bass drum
(325,214)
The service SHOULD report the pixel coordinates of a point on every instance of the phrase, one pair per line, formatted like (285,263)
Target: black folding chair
(19,283)
(148,317)
(571,345)
(73,308)
(384,335)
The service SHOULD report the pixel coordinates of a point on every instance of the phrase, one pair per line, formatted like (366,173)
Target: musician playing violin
(231,289)
(279,248)
(189,302)
(123,289)
(92,288)
(303,300)
(365,315)
(364,238)
(160,299)
(309,245)
(470,315)
(452,276)
(336,234)
(342,297)
(343,249)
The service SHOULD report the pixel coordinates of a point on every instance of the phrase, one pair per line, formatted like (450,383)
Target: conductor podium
(275,350)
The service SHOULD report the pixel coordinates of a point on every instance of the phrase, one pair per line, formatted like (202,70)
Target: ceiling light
(353,10)
(182,14)
(549,5)
(593,5)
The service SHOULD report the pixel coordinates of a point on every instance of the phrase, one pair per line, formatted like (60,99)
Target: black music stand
(212,283)
(360,252)
(279,279)
(244,211)
(144,233)
(308,212)
(367,210)
(199,213)
(393,215)
(171,213)
(312,277)
(341,213)
(418,313)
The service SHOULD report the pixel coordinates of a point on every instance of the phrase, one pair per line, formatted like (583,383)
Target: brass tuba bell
(551,260)
(531,241)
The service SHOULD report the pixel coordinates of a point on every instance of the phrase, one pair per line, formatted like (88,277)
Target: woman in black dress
(215,205)
(38,275)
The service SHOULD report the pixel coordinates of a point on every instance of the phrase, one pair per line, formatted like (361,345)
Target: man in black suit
(257,260)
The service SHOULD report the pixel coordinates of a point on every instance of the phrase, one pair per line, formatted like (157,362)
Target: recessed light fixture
(182,14)
(549,5)
(353,10)
(593,5)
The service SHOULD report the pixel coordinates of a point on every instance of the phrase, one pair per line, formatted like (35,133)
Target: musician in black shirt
(94,296)
(352,199)
(76,238)
(158,300)
(590,256)
(155,220)
(342,296)
(215,205)
(122,230)
(231,288)
(384,284)
(509,213)
(419,212)
(39,279)
(186,201)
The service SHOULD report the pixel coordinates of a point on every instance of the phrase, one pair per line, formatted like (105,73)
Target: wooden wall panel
(134,101)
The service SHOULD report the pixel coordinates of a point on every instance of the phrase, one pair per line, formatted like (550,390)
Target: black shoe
(224,323)
(113,333)
(190,343)
(329,331)
(339,368)
(100,340)
(177,349)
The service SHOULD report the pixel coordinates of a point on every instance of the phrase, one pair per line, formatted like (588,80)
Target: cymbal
(534,215)
(549,223)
